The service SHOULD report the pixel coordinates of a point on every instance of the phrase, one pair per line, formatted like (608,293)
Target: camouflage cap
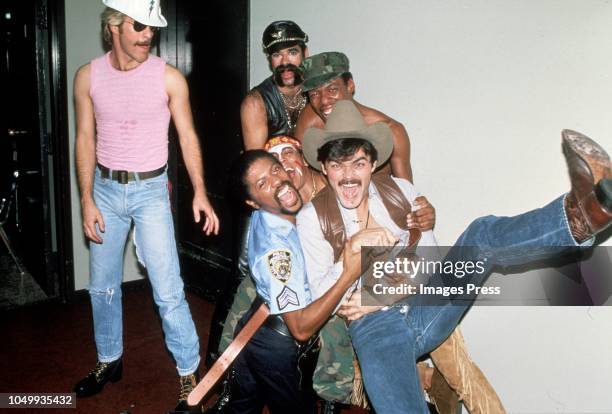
(323,67)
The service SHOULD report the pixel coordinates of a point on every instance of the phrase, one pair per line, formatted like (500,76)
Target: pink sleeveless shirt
(132,115)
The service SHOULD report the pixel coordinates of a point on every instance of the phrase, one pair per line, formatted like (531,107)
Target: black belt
(123,177)
(276,323)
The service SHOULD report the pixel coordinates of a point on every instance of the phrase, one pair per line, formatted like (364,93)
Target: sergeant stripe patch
(287,297)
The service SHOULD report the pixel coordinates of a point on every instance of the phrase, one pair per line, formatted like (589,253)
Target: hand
(351,262)
(92,216)
(378,236)
(351,308)
(211,222)
(423,216)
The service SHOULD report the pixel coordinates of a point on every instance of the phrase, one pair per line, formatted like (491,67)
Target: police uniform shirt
(277,263)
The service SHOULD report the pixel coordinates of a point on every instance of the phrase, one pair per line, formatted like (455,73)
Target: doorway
(208,42)
(34,179)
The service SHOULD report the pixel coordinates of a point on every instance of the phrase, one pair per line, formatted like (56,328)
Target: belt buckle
(122,177)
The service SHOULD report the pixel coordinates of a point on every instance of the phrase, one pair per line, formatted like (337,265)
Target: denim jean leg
(501,241)
(106,269)
(536,235)
(384,343)
(156,249)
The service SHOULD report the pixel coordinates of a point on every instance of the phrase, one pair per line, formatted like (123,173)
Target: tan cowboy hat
(345,121)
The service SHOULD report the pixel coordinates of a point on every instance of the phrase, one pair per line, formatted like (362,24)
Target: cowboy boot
(464,377)
(589,204)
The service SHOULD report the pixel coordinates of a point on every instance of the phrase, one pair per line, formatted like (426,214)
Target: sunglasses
(139,27)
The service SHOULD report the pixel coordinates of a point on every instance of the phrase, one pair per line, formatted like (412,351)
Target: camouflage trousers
(245,295)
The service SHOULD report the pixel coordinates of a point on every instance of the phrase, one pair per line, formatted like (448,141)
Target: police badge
(279,263)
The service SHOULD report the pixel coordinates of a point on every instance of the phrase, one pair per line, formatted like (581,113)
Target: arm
(319,256)
(85,150)
(178,95)
(254,121)
(352,309)
(305,322)
(400,158)
(423,215)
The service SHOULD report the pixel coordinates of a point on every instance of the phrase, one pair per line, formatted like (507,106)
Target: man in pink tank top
(124,101)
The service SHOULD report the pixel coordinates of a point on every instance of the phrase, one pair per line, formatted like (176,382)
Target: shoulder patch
(279,263)
(287,297)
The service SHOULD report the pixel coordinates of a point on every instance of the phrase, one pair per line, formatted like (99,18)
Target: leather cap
(281,34)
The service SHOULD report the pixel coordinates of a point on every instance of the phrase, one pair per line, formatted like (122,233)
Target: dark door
(208,41)
(29,51)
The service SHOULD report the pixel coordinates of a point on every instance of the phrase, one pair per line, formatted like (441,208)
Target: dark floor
(49,346)
(16,289)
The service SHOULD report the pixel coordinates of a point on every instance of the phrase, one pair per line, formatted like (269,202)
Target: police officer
(269,109)
(267,371)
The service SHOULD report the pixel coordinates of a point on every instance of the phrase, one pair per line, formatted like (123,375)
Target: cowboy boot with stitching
(588,205)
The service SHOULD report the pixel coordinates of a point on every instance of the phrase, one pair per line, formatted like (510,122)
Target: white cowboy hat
(143,11)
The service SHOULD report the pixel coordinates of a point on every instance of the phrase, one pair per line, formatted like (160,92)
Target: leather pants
(465,378)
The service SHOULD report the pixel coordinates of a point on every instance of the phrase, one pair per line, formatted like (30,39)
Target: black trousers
(268,373)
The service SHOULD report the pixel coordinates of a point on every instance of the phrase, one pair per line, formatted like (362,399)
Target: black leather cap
(282,34)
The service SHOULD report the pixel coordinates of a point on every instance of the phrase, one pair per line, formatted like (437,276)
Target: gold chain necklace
(314,186)
(293,107)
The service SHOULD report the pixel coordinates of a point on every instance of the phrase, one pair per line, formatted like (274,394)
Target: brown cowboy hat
(345,121)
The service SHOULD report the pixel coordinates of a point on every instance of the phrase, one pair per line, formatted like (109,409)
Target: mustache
(297,73)
(281,186)
(347,181)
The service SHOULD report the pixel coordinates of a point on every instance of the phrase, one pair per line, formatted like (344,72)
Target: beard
(297,74)
(297,193)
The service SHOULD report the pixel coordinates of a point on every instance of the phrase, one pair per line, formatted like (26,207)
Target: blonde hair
(110,17)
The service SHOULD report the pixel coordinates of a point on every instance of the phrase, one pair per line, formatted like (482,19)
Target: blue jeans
(388,343)
(146,203)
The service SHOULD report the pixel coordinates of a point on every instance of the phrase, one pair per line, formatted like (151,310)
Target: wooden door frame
(53,111)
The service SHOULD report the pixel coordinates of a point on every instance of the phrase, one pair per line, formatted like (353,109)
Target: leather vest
(275,109)
(330,217)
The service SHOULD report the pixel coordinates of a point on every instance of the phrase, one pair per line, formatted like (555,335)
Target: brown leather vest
(330,218)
